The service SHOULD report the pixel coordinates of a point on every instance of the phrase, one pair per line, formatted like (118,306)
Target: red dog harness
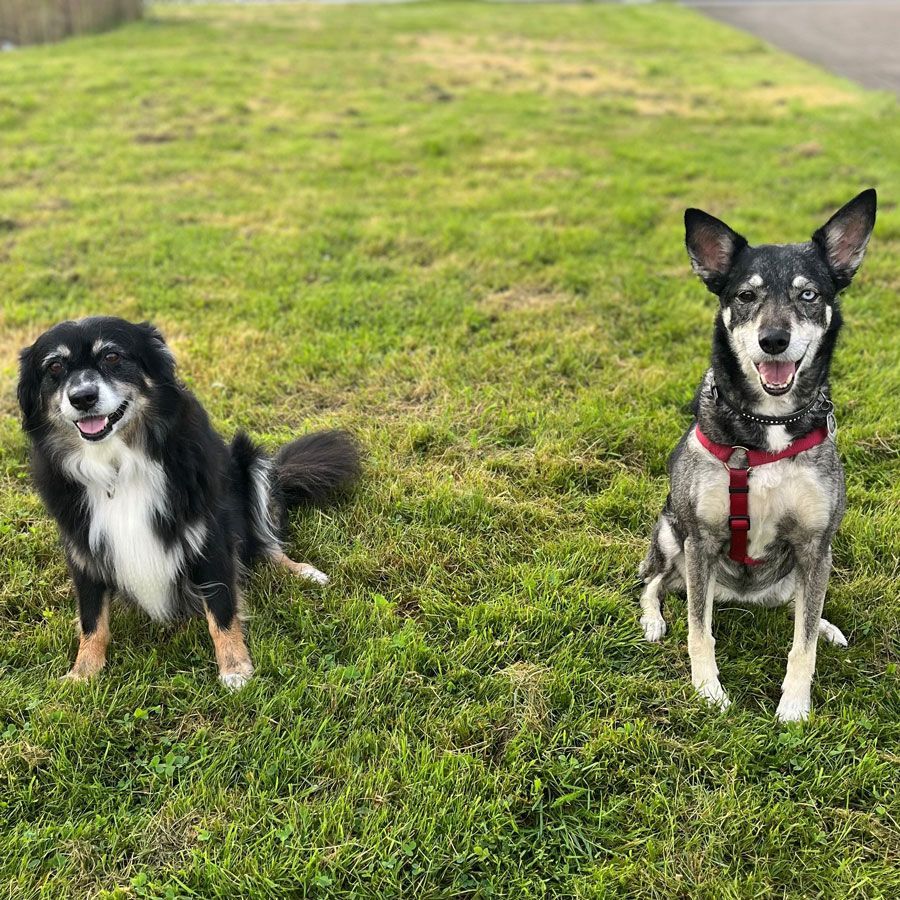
(738,487)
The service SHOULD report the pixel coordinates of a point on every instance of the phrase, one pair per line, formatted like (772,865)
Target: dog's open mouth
(776,377)
(95,428)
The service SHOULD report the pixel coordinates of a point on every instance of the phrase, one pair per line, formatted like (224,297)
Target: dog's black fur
(214,509)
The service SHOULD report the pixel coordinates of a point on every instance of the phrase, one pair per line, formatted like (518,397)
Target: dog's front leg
(216,582)
(701,588)
(93,619)
(815,568)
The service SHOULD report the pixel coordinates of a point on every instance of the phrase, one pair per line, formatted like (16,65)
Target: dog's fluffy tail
(314,469)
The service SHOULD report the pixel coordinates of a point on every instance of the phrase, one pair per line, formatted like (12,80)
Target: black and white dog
(756,487)
(149,500)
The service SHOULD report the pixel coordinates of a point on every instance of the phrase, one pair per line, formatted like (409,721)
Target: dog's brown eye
(55,367)
(112,357)
(746,296)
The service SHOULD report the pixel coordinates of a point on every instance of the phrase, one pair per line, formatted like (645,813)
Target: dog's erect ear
(712,247)
(157,358)
(29,388)
(843,238)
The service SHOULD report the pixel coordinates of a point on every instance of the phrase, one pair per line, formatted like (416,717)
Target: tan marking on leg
(301,570)
(91,657)
(232,656)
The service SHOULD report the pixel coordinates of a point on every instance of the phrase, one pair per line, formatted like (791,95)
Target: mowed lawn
(455,229)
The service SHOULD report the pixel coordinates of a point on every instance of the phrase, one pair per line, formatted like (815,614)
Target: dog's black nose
(84,397)
(774,340)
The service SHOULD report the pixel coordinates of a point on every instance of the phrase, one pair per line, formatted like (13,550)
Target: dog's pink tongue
(777,372)
(93,425)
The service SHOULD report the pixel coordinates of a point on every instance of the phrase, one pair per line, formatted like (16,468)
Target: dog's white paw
(713,693)
(234,681)
(309,573)
(313,574)
(654,628)
(831,633)
(793,708)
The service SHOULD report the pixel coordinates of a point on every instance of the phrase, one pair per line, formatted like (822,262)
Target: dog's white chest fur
(778,490)
(125,490)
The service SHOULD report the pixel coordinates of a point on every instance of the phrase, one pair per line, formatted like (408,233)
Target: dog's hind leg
(301,570)
(93,619)
(831,633)
(652,621)
(828,631)
(659,562)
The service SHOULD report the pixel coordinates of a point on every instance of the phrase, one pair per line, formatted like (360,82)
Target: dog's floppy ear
(156,357)
(843,238)
(712,247)
(29,388)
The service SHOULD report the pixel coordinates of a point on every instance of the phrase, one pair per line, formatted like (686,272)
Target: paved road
(859,39)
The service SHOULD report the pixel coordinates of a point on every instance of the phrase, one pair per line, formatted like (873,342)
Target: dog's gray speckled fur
(778,313)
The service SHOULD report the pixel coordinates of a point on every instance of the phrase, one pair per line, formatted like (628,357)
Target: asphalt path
(859,39)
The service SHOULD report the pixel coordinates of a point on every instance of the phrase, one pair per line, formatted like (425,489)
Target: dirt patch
(248,224)
(523,298)
(559,67)
(809,149)
(529,699)
(648,103)
(170,835)
(812,96)
(158,137)
(518,64)
(23,755)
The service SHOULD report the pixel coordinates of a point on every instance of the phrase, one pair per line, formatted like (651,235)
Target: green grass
(455,229)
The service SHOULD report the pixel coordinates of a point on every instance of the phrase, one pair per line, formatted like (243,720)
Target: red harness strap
(739,488)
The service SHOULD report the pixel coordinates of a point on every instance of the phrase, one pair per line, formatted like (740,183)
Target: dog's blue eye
(746,296)
(809,295)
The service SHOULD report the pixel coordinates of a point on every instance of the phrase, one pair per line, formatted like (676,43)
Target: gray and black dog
(756,487)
